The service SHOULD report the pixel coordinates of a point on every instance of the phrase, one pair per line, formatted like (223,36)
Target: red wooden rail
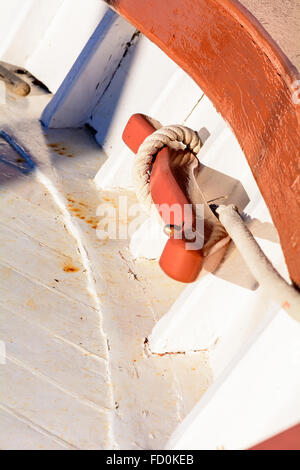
(287,440)
(249,80)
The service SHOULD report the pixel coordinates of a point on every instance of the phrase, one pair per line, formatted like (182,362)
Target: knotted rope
(163,137)
(262,269)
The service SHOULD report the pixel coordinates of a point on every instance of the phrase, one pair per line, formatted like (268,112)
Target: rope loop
(161,138)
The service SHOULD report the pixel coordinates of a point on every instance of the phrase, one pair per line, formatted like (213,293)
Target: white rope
(261,268)
(163,137)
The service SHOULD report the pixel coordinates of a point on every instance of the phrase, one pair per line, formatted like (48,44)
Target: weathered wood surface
(75,310)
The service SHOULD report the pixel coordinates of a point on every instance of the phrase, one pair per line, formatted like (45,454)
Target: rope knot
(161,138)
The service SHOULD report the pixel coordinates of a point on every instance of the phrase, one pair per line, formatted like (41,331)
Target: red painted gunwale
(287,440)
(250,82)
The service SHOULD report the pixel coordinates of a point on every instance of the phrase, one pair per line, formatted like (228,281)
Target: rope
(13,82)
(163,137)
(262,269)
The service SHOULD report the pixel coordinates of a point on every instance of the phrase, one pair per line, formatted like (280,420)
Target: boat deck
(61,288)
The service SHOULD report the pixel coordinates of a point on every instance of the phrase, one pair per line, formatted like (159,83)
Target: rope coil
(161,138)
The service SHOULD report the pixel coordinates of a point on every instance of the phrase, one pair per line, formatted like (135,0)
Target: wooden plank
(45,266)
(63,317)
(79,372)
(115,107)
(21,216)
(33,396)
(256,396)
(91,73)
(18,433)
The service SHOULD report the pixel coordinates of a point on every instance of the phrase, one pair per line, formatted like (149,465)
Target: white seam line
(46,378)
(52,289)
(37,427)
(15,229)
(54,335)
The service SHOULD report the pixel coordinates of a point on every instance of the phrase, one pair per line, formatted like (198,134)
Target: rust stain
(31,304)
(5,273)
(60,149)
(69,268)
(82,211)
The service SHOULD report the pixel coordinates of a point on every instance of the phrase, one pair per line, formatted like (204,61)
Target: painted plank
(255,400)
(19,251)
(23,25)
(91,74)
(62,42)
(137,89)
(63,317)
(20,215)
(127,320)
(34,30)
(37,399)
(79,372)
(18,433)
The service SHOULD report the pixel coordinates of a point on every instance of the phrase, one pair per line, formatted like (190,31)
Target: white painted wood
(55,386)
(189,325)
(73,317)
(53,408)
(47,37)
(19,252)
(137,88)
(64,40)
(64,318)
(149,240)
(88,79)
(128,319)
(29,436)
(55,359)
(255,401)
(23,25)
